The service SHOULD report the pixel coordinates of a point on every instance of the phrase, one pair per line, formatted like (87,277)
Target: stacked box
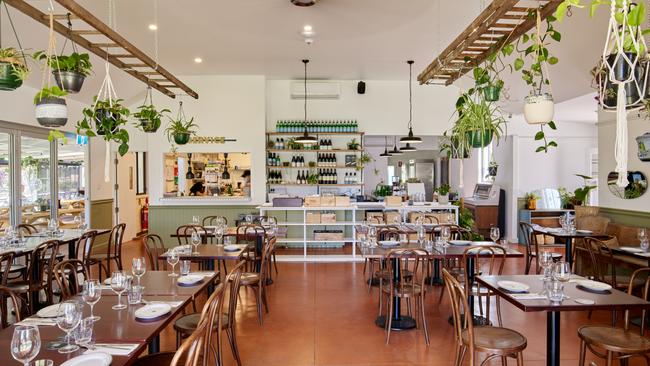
(313,218)
(392,217)
(328,218)
(328,235)
(312,201)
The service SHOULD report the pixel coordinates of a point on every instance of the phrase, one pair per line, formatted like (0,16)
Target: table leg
(478,320)
(399,321)
(567,250)
(553,338)
(154,345)
(435,279)
(72,249)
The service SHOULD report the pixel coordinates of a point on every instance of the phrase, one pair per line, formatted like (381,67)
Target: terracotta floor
(322,314)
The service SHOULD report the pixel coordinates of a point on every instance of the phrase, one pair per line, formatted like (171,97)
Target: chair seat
(496,340)
(18,287)
(155,359)
(408,291)
(187,324)
(249,278)
(15,268)
(615,339)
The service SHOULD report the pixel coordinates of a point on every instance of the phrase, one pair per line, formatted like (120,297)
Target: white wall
(231,106)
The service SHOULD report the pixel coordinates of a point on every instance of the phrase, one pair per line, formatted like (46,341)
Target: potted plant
(493,166)
(51,109)
(443,193)
(180,130)
(69,71)
(13,70)
(364,158)
(531,200)
(149,118)
(582,194)
(109,118)
(487,79)
(353,145)
(479,121)
(453,147)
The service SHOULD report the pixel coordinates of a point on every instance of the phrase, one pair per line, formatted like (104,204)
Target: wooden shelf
(315,133)
(313,151)
(311,167)
(314,185)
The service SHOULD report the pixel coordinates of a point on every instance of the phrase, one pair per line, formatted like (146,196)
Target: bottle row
(323,144)
(324,176)
(298,161)
(317,126)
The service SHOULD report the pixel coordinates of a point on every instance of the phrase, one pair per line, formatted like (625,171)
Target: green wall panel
(627,217)
(101,217)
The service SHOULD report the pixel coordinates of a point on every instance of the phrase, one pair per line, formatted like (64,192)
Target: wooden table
(615,300)
(208,253)
(68,236)
(568,237)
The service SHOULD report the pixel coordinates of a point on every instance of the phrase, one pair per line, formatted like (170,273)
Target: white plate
(632,249)
(483,243)
(513,286)
(594,285)
(190,279)
(460,242)
(90,359)
(152,311)
(388,243)
(584,232)
(51,311)
(231,248)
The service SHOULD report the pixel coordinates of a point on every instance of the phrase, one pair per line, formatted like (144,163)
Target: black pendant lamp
(410,138)
(386,153)
(395,150)
(225,175)
(408,147)
(305,139)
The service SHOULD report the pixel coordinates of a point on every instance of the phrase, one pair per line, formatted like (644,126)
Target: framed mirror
(636,187)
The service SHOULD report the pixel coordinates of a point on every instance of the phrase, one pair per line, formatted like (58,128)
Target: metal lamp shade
(410,139)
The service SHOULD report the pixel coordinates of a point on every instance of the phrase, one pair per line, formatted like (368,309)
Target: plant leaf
(519,63)
(541,148)
(552,125)
(539,135)
(552,60)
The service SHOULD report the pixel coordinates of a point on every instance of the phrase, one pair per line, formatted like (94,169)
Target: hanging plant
(108,118)
(478,121)
(51,108)
(487,80)
(180,129)
(149,118)
(69,71)
(532,61)
(13,64)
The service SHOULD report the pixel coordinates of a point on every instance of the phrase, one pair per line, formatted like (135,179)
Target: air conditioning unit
(316,90)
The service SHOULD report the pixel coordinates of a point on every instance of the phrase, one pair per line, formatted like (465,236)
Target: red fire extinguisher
(144,215)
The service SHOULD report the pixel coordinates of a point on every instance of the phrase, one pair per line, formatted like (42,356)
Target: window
(35,193)
(5,180)
(485,154)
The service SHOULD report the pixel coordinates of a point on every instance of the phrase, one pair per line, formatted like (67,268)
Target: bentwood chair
(488,260)
(67,275)
(26,229)
(269,220)
(113,251)
(258,280)
(390,232)
(532,247)
(411,265)
(85,245)
(620,344)
(605,265)
(248,233)
(7,294)
(495,341)
(154,247)
(184,233)
(214,220)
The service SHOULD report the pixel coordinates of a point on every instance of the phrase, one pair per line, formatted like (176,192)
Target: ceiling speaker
(303,2)
(361,87)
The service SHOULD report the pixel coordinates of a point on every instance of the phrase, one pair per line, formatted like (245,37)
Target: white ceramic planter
(443,199)
(539,109)
(52,112)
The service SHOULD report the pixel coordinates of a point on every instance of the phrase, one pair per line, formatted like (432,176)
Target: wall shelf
(316,133)
(310,167)
(313,151)
(314,185)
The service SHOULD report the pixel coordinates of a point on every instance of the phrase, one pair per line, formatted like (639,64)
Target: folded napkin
(38,321)
(115,349)
(528,296)
(204,274)
(173,304)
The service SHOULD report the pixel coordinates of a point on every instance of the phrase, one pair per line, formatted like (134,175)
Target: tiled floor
(322,314)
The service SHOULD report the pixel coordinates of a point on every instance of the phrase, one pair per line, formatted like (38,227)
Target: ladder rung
(107,44)
(86,31)
(60,16)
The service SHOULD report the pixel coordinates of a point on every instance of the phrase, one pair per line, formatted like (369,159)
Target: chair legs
(583,351)
(233,344)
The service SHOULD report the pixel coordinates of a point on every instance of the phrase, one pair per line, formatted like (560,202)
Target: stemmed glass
(562,271)
(546,261)
(172,259)
(195,220)
(495,234)
(68,319)
(421,233)
(218,233)
(92,292)
(77,221)
(372,236)
(25,343)
(642,234)
(138,267)
(119,285)
(445,234)
(196,240)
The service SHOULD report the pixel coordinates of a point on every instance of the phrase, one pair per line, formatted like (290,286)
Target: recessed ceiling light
(153,27)
(307,28)
(198,60)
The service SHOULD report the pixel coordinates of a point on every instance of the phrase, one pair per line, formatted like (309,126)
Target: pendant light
(410,139)
(305,139)
(225,175)
(395,150)
(408,147)
(385,153)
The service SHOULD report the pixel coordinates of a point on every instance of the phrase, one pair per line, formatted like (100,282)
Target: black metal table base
(553,338)
(401,323)
(373,281)
(154,346)
(478,320)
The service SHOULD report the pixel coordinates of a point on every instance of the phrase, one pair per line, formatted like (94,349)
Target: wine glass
(644,244)
(421,233)
(77,221)
(218,233)
(495,234)
(172,259)
(642,234)
(119,285)
(195,220)
(68,319)
(195,238)
(445,234)
(91,293)
(546,261)
(562,271)
(138,267)
(25,343)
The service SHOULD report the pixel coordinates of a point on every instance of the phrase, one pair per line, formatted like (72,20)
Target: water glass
(196,240)
(25,343)
(134,295)
(185,267)
(495,234)
(642,234)
(227,239)
(644,244)
(195,220)
(77,221)
(562,272)
(422,233)
(119,284)
(91,293)
(218,233)
(172,259)
(69,317)
(445,233)
(249,219)
(83,333)
(138,267)
(555,291)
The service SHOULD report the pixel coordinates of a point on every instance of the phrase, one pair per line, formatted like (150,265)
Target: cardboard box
(392,217)
(328,218)
(375,217)
(328,235)
(328,201)
(312,201)
(313,218)
(342,201)
(414,216)
(393,201)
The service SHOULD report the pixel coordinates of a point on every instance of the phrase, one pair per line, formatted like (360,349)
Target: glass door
(35,192)
(71,184)
(5,181)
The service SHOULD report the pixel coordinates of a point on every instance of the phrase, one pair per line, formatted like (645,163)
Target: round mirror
(637,184)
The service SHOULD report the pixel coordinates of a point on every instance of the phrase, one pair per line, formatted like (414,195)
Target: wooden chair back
(66,274)
(411,265)
(597,224)
(214,220)
(584,261)
(644,293)
(153,247)
(457,232)
(248,233)
(85,245)
(115,241)
(41,266)
(604,262)
(261,220)
(392,232)
(459,306)
(531,244)
(234,279)
(26,229)
(184,233)
(6,260)
(7,294)
(488,260)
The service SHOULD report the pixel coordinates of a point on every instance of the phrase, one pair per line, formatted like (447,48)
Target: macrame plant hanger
(13,28)
(50,53)
(616,35)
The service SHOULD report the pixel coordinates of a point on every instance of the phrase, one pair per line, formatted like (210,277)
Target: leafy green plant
(466,221)
(13,57)
(51,92)
(364,158)
(353,145)
(75,62)
(581,194)
(312,178)
(150,117)
(531,196)
(180,126)
(57,135)
(443,189)
(109,118)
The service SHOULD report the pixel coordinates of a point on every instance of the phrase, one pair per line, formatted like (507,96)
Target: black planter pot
(181,138)
(622,72)
(148,126)
(8,81)
(51,112)
(104,115)
(69,81)
(492,171)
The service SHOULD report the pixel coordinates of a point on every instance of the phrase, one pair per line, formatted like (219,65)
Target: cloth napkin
(38,321)
(529,296)
(204,274)
(115,349)
(173,304)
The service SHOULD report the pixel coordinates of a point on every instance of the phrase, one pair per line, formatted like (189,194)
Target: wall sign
(644,146)
(210,140)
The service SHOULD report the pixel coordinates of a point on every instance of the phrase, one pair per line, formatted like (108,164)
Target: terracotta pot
(532,204)
(51,112)
(8,81)
(539,109)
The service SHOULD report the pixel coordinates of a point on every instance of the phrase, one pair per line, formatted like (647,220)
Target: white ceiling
(360,39)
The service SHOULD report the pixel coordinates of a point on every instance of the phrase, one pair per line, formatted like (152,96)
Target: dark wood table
(615,300)
(568,237)
(159,283)
(208,253)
